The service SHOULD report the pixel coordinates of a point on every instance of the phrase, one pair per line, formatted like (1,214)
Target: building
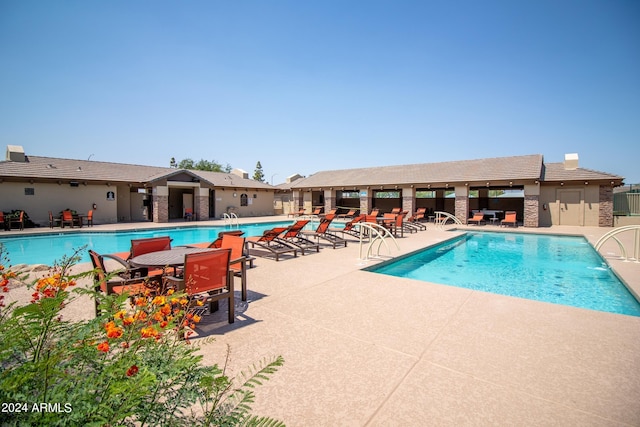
(542,194)
(119,192)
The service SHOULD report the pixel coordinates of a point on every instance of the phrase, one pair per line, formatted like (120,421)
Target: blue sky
(303,86)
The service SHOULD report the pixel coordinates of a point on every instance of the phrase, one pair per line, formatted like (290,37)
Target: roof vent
(241,173)
(571,161)
(15,153)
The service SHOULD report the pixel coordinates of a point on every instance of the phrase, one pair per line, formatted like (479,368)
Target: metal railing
(376,235)
(626,203)
(441,219)
(230,219)
(612,235)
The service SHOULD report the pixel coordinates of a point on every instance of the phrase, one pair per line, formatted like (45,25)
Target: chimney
(292,178)
(571,161)
(15,153)
(241,173)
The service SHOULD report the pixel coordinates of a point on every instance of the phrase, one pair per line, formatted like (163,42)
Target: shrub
(129,366)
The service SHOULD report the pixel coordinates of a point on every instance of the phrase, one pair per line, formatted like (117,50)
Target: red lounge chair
(416,219)
(509,219)
(349,227)
(478,218)
(322,232)
(293,235)
(269,242)
(207,278)
(299,213)
(350,214)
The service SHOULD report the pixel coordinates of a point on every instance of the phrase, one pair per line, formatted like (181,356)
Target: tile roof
(492,169)
(557,172)
(37,167)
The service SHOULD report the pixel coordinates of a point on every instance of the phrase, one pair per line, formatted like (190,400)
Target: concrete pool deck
(363,349)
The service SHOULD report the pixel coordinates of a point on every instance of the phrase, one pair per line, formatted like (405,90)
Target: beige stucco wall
(55,198)
(549,207)
(260,205)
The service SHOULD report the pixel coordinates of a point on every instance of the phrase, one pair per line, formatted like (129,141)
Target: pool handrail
(230,218)
(379,233)
(618,230)
(442,217)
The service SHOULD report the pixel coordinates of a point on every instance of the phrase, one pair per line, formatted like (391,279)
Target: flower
(148,332)
(113,331)
(132,371)
(103,346)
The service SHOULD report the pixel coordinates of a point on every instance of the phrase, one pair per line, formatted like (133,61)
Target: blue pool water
(557,269)
(47,248)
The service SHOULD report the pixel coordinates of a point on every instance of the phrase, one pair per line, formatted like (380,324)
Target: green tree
(204,165)
(258,175)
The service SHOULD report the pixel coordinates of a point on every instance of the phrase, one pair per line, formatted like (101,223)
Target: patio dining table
(173,257)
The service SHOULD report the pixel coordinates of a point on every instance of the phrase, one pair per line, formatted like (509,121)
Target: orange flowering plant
(132,365)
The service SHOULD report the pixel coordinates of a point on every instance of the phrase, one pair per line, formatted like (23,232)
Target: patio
(366,349)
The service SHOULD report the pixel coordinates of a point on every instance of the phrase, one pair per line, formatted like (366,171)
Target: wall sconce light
(510,183)
(429,186)
(235,194)
(562,183)
(536,182)
(108,184)
(488,184)
(586,183)
(30,181)
(446,186)
(466,184)
(396,187)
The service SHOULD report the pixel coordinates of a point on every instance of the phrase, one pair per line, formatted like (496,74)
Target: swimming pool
(557,269)
(47,248)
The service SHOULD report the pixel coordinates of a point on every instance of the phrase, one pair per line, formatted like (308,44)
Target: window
(244,199)
(386,194)
(425,194)
(350,195)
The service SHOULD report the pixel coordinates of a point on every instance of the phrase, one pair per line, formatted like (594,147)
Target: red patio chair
(207,279)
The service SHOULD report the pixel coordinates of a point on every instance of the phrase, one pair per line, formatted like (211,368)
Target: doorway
(571,207)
